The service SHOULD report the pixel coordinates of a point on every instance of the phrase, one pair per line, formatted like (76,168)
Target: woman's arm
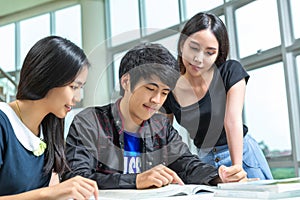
(75,188)
(54,179)
(233,122)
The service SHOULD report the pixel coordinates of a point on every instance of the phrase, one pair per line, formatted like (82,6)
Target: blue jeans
(254,161)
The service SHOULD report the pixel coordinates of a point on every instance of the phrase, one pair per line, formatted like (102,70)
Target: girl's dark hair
(203,21)
(52,62)
(148,61)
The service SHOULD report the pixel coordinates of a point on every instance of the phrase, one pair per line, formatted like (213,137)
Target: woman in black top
(209,96)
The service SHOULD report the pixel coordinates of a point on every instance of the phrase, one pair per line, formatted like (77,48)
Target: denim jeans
(254,161)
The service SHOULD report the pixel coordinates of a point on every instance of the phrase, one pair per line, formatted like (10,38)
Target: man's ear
(125,82)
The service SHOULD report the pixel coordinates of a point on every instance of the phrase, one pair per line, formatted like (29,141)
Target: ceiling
(11,6)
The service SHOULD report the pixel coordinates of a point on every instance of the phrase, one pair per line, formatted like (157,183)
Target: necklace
(19,111)
(42,145)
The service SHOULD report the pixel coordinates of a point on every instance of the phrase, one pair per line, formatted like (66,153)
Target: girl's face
(199,52)
(60,100)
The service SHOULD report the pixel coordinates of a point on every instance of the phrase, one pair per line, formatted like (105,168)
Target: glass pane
(257,31)
(298,69)
(32,30)
(162,16)
(267,121)
(7,48)
(295,5)
(170,43)
(116,64)
(280,173)
(222,17)
(68,24)
(124,21)
(195,6)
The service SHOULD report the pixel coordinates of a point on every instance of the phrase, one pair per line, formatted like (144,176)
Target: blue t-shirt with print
(132,153)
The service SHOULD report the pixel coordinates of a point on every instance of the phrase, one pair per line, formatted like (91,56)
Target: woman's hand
(233,173)
(78,188)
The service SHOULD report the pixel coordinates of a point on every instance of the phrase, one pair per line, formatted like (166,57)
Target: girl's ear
(125,82)
(181,47)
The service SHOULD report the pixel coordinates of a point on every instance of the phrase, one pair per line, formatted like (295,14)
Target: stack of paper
(261,189)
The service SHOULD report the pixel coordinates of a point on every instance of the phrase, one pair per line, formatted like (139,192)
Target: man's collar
(119,121)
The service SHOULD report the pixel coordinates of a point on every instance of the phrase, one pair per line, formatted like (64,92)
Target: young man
(128,144)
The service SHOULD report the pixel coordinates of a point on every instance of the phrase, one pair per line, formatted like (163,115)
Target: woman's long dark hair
(203,21)
(52,62)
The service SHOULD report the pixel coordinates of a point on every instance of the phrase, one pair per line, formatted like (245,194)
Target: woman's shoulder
(232,67)
(4,111)
(231,72)
(231,64)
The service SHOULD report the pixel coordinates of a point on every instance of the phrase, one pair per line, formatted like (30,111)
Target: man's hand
(233,173)
(158,176)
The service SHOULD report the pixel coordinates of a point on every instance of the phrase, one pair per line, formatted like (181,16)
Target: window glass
(7,48)
(116,64)
(68,24)
(32,30)
(298,69)
(162,16)
(222,17)
(283,172)
(267,121)
(124,21)
(170,43)
(257,31)
(195,6)
(295,5)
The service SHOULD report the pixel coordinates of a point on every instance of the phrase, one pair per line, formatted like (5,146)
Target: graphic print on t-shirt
(132,153)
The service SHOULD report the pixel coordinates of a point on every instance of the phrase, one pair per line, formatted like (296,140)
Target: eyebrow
(156,85)
(79,82)
(210,48)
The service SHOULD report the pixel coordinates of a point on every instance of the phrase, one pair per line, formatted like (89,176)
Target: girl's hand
(78,188)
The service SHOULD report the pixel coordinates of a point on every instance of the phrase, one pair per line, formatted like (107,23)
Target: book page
(166,191)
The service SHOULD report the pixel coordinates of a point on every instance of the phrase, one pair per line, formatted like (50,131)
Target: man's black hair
(148,61)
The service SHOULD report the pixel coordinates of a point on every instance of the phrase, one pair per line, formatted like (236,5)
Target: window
(266,110)
(7,48)
(170,43)
(116,64)
(162,16)
(124,23)
(222,17)
(195,6)
(295,5)
(257,30)
(68,24)
(298,69)
(32,30)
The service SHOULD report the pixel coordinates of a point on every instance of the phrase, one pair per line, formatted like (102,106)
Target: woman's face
(60,100)
(199,52)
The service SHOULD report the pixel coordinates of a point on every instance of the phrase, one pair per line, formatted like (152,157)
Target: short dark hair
(149,60)
(52,62)
(203,21)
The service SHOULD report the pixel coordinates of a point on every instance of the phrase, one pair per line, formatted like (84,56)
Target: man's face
(146,99)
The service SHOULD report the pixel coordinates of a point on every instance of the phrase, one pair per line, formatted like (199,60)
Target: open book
(263,189)
(166,191)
